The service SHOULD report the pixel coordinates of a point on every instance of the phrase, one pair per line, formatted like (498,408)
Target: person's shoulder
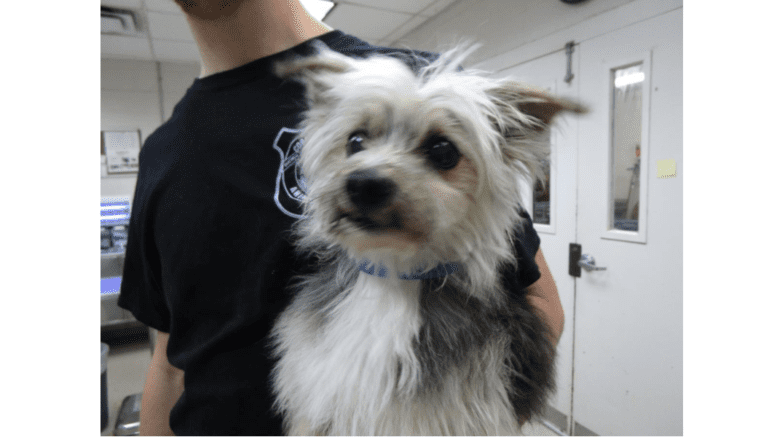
(184,124)
(159,143)
(350,45)
(166,148)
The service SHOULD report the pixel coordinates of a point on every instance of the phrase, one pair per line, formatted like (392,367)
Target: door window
(625,148)
(629,92)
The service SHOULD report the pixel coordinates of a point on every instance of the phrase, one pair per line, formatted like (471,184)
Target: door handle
(589,263)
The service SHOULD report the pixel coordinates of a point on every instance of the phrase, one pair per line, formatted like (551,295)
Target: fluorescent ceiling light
(318,8)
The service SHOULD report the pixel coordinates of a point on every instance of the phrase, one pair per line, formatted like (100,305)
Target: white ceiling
(165,34)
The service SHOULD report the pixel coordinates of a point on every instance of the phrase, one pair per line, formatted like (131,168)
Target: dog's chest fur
(361,354)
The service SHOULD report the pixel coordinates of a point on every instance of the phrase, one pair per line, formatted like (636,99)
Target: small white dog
(411,209)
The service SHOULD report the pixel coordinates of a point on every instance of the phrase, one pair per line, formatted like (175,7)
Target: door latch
(589,263)
(575,250)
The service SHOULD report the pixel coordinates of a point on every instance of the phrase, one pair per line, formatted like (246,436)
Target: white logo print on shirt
(290,186)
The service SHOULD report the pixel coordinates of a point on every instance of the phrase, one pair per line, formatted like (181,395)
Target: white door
(628,357)
(620,356)
(554,213)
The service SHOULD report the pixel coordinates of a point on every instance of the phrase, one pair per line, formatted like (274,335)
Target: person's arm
(164,385)
(543,295)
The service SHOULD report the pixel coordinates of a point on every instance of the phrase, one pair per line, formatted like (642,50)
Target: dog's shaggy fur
(411,171)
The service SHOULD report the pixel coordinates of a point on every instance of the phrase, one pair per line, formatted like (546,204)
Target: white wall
(130,100)
(501,25)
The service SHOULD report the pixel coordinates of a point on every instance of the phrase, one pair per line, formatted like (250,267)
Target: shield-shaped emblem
(290,188)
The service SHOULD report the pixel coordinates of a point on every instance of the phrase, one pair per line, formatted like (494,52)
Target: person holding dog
(208,256)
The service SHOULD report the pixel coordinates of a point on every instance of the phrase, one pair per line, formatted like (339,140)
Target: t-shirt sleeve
(141,286)
(526,247)
(526,243)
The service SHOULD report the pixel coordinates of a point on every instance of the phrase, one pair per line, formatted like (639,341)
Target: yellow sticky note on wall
(667,168)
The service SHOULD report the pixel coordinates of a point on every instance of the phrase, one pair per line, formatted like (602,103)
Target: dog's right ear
(317,72)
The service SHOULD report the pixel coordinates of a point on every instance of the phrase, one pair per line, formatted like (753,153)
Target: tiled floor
(127,367)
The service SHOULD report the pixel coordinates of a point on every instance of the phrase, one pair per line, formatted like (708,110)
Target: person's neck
(251,30)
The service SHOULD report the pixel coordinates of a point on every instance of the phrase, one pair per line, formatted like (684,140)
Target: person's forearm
(164,385)
(545,310)
(543,296)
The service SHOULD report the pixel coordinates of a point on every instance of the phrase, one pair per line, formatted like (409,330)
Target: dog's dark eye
(442,153)
(355,143)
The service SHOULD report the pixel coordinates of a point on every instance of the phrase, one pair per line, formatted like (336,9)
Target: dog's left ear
(317,72)
(523,115)
(536,108)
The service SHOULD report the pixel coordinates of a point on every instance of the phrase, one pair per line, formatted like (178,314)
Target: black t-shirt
(208,256)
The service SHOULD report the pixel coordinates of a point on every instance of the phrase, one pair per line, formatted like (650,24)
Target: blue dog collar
(382,272)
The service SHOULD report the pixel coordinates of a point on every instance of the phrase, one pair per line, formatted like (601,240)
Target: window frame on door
(608,231)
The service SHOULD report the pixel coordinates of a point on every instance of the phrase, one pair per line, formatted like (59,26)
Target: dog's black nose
(368,191)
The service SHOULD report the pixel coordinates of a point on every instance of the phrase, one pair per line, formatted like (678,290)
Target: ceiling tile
(366,23)
(128,75)
(169,26)
(436,7)
(124,47)
(177,51)
(123,4)
(408,6)
(405,28)
(163,6)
